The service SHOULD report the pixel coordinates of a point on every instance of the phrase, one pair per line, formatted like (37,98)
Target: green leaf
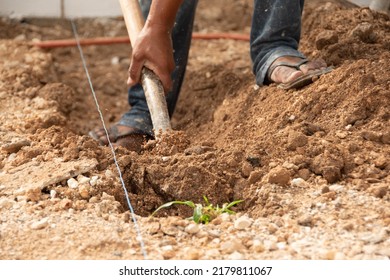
(231,204)
(197,216)
(206,200)
(168,204)
(206,218)
(203,214)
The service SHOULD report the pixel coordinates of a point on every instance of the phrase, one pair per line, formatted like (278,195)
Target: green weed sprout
(203,213)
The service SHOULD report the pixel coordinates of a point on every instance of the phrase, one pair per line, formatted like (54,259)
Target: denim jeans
(275,32)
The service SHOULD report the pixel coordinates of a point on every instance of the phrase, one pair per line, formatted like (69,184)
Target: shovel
(154,91)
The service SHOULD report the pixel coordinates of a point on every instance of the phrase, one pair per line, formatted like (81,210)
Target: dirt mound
(315,157)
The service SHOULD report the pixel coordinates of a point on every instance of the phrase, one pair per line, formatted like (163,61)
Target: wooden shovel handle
(133,18)
(154,91)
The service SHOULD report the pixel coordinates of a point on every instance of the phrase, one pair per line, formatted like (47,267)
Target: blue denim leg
(138,116)
(276,30)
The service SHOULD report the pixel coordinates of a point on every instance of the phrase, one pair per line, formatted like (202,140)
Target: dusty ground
(311,165)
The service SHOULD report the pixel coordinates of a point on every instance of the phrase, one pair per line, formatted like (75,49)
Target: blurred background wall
(59,8)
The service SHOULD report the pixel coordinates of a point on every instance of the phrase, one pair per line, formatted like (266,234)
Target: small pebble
(40,224)
(21,198)
(281,245)
(165,158)
(305,220)
(235,256)
(341,134)
(258,246)
(270,245)
(336,188)
(169,254)
(225,217)
(289,165)
(153,228)
(84,191)
(109,174)
(192,228)
(167,248)
(243,222)
(82,179)
(66,203)
(298,182)
(192,254)
(212,253)
(106,196)
(72,183)
(214,233)
(93,180)
(94,199)
(53,194)
(115,60)
(272,228)
(325,190)
(231,246)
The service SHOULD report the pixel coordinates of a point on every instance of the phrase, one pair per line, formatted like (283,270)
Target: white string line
(139,236)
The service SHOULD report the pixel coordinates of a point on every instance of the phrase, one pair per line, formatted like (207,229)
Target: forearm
(163,13)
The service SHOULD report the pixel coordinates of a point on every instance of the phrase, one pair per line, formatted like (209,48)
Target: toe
(284,74)
(99,135)
(313,66)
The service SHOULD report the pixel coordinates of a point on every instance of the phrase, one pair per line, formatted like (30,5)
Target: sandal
(132,139)
(301,81)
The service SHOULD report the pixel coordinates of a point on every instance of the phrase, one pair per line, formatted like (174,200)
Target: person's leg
(138,116)
(137,122)
(275,35)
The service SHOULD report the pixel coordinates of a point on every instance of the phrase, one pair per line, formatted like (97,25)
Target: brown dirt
(311,165)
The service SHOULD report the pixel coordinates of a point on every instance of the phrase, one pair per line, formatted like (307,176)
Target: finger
(135,71)
(166,81)
(166,78)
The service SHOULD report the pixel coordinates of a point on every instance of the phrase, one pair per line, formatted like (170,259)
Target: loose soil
(311,165)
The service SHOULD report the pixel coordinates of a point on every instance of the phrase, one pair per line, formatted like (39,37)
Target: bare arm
(153,47)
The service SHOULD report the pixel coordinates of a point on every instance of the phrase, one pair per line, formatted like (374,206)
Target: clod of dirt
(280,176)
(331,174)
(296,139)
(170,143)
(365,32)
(326,38)
(62,94)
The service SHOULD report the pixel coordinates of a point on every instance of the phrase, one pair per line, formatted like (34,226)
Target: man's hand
(153,47)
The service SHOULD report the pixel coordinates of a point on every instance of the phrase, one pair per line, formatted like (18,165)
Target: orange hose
(216,36)
(126,40)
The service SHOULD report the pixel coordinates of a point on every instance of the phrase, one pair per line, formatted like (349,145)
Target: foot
(284,74)
(121,136)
